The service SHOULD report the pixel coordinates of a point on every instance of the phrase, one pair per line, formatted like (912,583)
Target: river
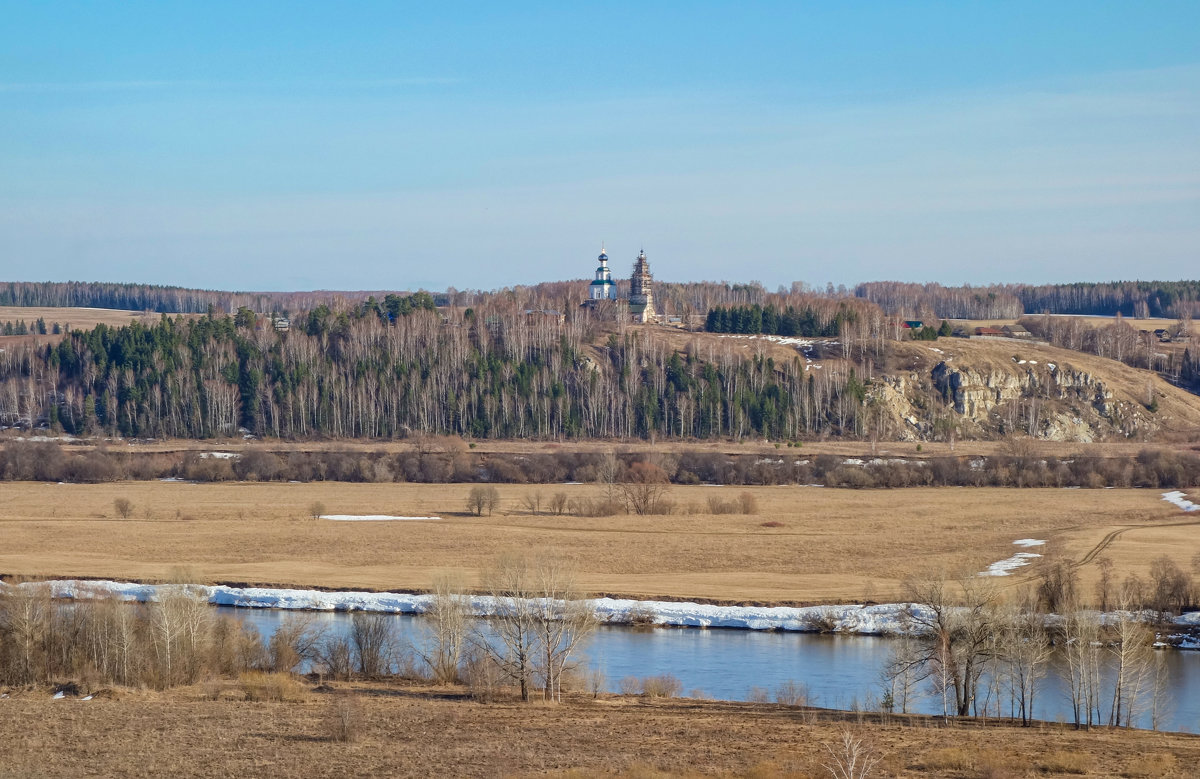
(840,672)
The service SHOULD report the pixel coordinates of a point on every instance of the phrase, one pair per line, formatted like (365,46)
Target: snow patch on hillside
(1019,560)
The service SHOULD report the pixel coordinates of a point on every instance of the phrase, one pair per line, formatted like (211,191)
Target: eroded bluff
(1055,402)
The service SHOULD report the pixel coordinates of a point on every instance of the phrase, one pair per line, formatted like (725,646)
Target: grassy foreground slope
(415,732)
(805,544)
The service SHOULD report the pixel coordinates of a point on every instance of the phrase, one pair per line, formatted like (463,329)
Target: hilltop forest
(506,364)
(399,366)
(1168,299)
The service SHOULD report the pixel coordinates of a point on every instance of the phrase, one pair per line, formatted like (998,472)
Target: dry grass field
(77,318)
(69,318)
(405,731)
(1149,324)
(806,544)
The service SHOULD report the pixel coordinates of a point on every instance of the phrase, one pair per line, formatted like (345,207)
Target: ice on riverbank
(868,620)
(881,619)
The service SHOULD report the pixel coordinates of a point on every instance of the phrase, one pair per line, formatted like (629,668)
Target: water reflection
(840,671)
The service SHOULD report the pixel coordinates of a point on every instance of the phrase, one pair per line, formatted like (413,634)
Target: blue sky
(389,145)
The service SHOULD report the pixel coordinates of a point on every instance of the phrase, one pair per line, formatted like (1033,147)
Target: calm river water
(839,671)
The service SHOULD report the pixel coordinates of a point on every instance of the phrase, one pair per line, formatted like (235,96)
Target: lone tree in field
(644,488)
(482,499)
(123,507)
(316,509)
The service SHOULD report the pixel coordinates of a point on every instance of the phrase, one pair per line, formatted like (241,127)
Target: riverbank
(412,730)
(886,619)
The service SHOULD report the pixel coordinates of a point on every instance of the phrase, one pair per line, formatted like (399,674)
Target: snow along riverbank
(853,619)
(867,620)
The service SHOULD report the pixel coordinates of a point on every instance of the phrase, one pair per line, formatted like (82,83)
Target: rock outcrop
(1047,400)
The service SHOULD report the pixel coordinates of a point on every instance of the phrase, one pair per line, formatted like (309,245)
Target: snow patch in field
(1027,542)
(373,518)
(1006,566)
(1180,499)
(58,696)
(219,455)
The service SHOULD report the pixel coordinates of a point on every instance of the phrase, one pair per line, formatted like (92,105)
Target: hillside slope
(986,388)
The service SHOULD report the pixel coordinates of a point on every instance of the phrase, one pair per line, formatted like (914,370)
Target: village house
(546,314)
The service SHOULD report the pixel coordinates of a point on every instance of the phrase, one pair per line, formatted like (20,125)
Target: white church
(641,296)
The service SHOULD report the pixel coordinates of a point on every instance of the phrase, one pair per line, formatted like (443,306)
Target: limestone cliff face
(1045,400)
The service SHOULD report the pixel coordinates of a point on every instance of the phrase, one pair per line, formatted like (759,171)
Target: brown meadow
(805,544)
(400,730)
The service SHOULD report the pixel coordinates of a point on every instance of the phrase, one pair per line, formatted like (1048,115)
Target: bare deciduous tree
(481,499)
(511,589)
(532,502)
(445,626)
(1104,583)
(564,618)
(336,655)
(1024,648)
(959,636)
(851,757)
(1081,636)
(296,640)
(644,489)
(539,620)
(374,642)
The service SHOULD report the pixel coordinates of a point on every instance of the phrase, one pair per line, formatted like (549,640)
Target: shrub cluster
(1153,468)
(179,639)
